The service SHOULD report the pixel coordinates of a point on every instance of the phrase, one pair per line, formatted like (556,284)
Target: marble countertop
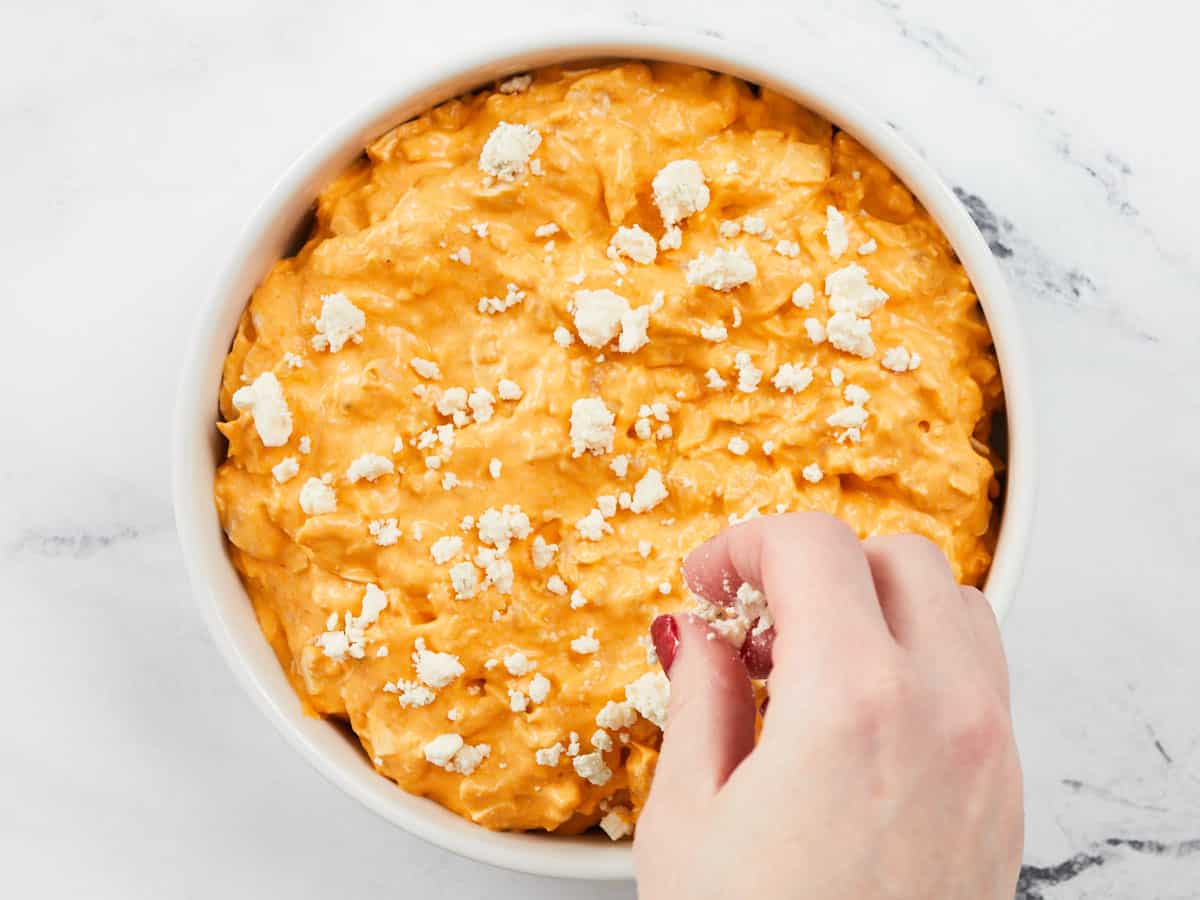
(137,139)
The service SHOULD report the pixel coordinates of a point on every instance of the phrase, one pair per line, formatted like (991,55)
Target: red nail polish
(664,631)
(757,653)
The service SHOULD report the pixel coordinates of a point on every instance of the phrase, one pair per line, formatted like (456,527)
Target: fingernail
(757,652)
(664,631)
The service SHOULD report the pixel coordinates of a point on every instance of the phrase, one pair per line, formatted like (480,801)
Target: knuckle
(981,736)
(879,702)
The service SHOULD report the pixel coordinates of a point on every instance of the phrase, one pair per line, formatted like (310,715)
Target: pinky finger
(986,631)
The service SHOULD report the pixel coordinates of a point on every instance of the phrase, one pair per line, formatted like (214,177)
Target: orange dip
(460,253)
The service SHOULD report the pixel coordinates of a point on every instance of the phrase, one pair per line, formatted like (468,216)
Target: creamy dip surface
(544,340)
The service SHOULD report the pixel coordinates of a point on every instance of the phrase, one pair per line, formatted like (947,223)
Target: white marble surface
(137,137)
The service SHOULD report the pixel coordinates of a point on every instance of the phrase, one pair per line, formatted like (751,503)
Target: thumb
(710,719)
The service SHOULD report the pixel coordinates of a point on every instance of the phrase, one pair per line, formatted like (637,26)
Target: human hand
(886,766)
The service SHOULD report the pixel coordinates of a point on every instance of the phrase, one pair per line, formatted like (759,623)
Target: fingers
(710,720)
(816,579)
(986,631)
(917,592)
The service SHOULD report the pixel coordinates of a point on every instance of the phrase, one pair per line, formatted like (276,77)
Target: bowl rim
(194,438)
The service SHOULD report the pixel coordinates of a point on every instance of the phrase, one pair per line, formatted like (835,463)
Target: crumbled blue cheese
(385,531)
(803,296)
(748,374)
(899,359)
(499,527)
(435,669)
(849,290)
(539,688)
(451,753)
(635,325)
(369,466)
(317,498)
(598,315)
(592,527)
(286,469)
(464,579)
(482,405)
(649,492)
(494,305)
(507,151)
(350,640)
(445,549)
(835,232)
(264,400)
(542,553)
(853,417)
(754,225)
(516,84)
(849,333)
(650,695)
(679,191)
(815,330)
(634,243)
(616,715)
(411,694)
(426,368)
(586,643)
(601,740)
(452,402)
(592,427)
(617,822)
(517,663)
(340,321)
(724,270)
(792,377)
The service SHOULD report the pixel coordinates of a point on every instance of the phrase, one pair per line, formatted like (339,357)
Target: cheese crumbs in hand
(886,766)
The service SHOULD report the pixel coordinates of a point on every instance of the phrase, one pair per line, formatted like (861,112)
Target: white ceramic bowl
(198,448)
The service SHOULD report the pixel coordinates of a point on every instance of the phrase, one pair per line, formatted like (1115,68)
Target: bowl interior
(273,233)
